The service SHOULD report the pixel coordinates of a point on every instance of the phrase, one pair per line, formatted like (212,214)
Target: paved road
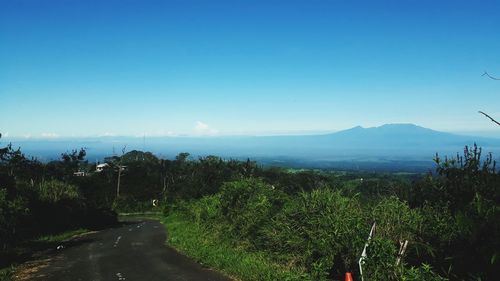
(134,251)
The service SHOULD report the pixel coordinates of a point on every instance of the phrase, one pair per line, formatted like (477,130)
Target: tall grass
(254,232)
(208,248)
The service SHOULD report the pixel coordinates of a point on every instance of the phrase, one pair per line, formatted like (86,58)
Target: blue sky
(88,68)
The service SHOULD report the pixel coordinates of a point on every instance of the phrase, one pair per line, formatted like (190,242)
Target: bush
(462,216)
(247,205)
(396,221)
(129,204)
(11,213)
(380,263)
(421,273)
(206,210)
(54,191)
(321,231)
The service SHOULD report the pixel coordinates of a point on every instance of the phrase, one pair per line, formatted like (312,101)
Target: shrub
(380,263)
(321,231)
(396,221)
(54,191)
(247,205)
(421,273)
(11,213)
(206,209)
(130,204)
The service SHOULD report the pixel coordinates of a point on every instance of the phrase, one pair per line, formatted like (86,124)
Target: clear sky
(87,68)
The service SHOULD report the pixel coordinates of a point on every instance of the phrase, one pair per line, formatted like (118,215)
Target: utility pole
(143,146)
(120,172)
(118,185)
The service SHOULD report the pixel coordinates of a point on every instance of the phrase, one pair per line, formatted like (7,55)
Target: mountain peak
(389,126)
(403,127)
(356,128)
(389,131)
(400,125)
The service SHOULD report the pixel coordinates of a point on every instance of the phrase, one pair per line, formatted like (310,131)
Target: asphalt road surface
(133,251)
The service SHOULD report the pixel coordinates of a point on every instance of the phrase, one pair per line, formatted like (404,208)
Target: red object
(348,276)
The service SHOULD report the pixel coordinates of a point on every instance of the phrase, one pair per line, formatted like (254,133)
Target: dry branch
(491,77)
(491,118)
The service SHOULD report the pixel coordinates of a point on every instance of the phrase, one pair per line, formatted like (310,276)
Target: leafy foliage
(311,223)
(461,212)
(321,230)
(54,191)
(247,205)
(38,198)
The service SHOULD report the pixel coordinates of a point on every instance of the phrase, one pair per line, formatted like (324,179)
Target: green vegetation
(6,274)
(316,235)
(26,248)
(40,203)
(449,221)
(60,237)
(206,247)
(272,223)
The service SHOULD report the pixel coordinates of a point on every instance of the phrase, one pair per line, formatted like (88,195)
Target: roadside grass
(60,237)
(25,250)
(139,215)
(207,248)
(7,273)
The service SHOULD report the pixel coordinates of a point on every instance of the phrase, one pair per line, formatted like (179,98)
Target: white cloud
(201,128)
(107,134)
(157,133)
(49,135)
(163,133)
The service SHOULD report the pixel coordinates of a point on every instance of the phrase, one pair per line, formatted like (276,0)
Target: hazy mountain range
(391,146)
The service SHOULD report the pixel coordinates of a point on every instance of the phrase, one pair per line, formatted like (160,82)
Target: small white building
(100,167)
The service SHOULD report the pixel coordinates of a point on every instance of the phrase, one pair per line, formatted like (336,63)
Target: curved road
(133,251)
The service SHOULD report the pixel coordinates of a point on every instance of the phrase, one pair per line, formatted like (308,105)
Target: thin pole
(363,254)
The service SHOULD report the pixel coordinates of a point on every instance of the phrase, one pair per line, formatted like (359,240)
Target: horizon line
(55,136)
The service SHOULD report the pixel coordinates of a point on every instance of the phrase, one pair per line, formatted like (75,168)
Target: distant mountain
(403,136)
(390,143)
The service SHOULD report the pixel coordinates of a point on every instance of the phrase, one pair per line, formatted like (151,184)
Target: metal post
(363,254)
